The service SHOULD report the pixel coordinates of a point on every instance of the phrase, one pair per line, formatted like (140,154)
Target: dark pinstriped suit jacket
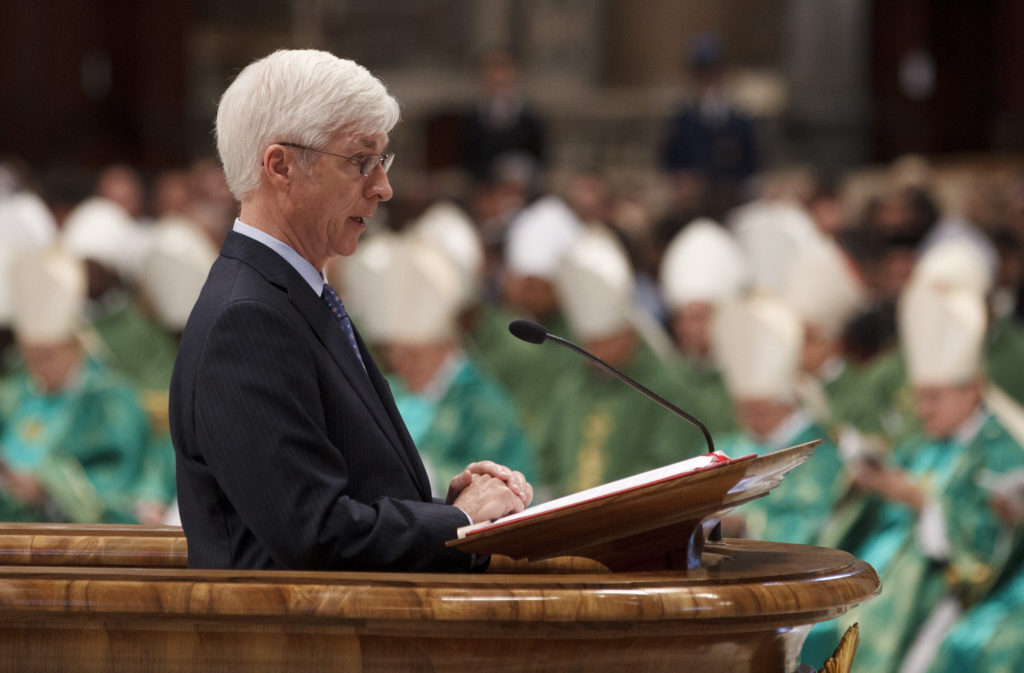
(289,454)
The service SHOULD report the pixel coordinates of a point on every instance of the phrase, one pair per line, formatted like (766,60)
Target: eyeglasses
(366,163)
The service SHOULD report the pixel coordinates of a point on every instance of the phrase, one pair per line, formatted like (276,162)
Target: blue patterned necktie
(333,302)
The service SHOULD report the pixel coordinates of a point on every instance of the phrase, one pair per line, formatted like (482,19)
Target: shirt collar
(309,273)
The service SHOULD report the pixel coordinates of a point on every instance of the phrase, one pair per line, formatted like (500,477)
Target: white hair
(297,96)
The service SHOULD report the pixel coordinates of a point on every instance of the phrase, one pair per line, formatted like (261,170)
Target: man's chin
(348,246)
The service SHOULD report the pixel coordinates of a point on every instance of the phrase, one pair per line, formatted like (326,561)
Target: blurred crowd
(879,312)
(99,276)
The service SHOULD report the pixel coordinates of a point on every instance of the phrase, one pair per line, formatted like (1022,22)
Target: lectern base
(747,609)
(107,646)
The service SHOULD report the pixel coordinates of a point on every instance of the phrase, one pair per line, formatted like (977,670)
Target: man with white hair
(290,451)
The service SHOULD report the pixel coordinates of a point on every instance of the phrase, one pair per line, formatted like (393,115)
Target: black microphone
(533,333)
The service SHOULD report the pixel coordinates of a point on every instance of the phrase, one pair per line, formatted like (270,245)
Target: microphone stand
(532,332)
(607,368)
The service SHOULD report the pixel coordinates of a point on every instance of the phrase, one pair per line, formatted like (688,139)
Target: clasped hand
(486,491)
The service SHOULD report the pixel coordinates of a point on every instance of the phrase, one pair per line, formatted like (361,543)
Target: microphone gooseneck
(534,333)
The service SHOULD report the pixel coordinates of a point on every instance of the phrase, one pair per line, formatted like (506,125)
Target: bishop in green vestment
(599,428)
(84,444)
(759,341)
(703,266)
(455,413)
(538,238)
(825,289)
(926,525)
(72,435)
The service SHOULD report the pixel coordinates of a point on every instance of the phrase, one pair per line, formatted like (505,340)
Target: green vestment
(463,417)
(705,390)
(526,371)
(1004,356)
(990,637)
(600,429)
(798,509)
(890,536)
(143,352)
(84,444)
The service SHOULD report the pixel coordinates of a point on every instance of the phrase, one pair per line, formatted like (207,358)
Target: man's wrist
(469,519)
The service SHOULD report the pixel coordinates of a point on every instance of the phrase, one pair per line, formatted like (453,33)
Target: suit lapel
(388,400)
(368,384)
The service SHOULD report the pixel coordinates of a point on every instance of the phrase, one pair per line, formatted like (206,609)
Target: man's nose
(379,186)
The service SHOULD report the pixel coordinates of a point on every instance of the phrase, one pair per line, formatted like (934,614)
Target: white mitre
(174,269)
(13,244)
(595,284)
(25,224)
(403,291)
(103,231)
(356,277)
(703,262)
(28,213)
(757,341)
(770,233)
(49,288)
(448,227)
(954,263)
(823,286)
(942,333)
(539,236)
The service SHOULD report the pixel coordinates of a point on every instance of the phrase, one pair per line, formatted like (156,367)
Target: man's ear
(278,166)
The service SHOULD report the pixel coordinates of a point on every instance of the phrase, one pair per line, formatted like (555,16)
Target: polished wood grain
(659,526)
(96,545)
(746,609)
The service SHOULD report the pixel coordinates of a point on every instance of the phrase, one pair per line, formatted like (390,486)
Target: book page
(627,483)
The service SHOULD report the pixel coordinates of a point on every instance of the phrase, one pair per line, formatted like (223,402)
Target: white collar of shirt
(308,272)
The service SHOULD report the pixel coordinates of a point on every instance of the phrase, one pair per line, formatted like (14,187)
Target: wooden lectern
(118,598)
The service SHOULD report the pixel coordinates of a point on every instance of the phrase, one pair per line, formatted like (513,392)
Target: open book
(660,474)
(649,521)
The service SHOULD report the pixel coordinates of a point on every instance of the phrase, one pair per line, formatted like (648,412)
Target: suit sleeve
(260,417)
